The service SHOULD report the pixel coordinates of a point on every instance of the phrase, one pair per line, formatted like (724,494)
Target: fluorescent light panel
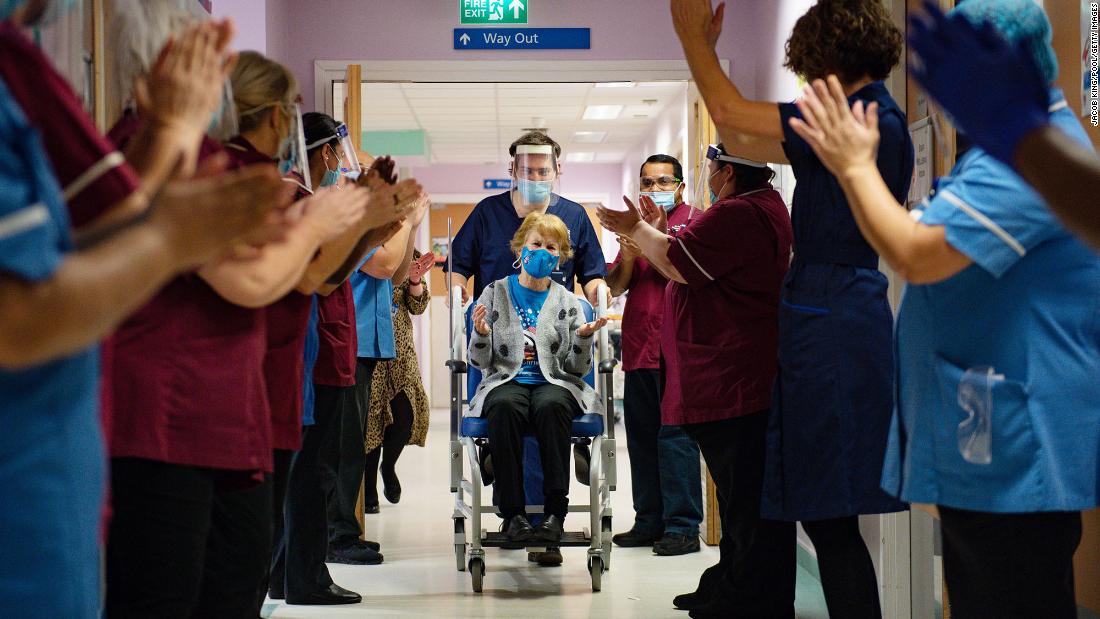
(580,157)
(615,85)
(589,137)
(602,112)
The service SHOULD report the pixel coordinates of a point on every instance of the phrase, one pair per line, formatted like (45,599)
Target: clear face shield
(534,177)
(349,162)
(224,123)
(717,155)
(293,161)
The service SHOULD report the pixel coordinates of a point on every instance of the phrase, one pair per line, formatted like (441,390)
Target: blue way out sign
(504,39)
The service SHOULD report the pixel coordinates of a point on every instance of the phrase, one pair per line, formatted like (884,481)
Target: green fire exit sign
(494,11)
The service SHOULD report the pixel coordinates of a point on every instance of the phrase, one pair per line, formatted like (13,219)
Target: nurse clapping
(998,351)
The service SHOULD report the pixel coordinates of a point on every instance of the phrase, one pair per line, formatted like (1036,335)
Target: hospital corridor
(713,309)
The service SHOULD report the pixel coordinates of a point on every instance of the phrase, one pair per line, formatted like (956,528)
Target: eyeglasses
(649,182)
(535,172)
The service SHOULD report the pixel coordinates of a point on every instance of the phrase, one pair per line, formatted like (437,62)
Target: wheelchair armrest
(456,366)
(607,366)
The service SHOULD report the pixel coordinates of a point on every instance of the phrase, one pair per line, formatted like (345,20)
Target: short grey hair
(138,31)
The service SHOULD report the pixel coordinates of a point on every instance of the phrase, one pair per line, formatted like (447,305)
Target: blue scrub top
(482,249)
(1029,307)
(313,345)
(52,461)
(373,315)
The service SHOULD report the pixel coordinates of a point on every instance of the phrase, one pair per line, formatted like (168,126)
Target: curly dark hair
(850,38)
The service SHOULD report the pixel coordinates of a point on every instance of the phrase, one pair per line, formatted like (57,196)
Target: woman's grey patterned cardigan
(564,357)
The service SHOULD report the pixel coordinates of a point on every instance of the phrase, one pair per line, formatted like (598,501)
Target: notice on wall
(440,247)
(923,163)
(1090,60)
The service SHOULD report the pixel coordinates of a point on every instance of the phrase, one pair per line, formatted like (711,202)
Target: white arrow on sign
(465,38)
(516,6)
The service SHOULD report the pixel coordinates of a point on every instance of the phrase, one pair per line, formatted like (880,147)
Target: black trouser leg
(642,418)
(1010,566)
(274,582)
(306,527)
(343,522)
(157,544)
(847,572)
(397,435)
(507,408)
(370,476)
(552,411)
(759,577)
(238,554)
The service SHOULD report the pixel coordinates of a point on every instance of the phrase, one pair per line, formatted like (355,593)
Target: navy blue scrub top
(825,230)
(482,248)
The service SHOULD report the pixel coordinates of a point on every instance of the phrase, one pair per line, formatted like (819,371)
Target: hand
(203,218)
(379,173)
(1005,95)
(587,330)
(392,202)
(419,267)
(331,211)
(843,138)
(628,247)
(695,21)
(183,88)
(465,298)
(480,324)
(619,222)
(420,210)
(653,215)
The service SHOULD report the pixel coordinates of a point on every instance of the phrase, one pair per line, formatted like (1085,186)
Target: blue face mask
(330,178)
(538,263)
(663,199)
(534,192)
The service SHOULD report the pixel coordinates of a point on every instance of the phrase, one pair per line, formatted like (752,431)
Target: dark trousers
(1010,565)
(183,544)
(344,527)
(664,462)
(755,574)
(298,568)
(394,439)
(547,410)
(283,459)
(847,572)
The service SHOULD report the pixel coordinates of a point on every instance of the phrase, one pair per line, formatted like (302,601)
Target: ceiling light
(602,112)
(580,157)
(589,137)
(616,85)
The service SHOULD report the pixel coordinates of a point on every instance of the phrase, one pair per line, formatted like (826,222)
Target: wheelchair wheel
(606,538)
(595,568)
(460,549)
(477,573)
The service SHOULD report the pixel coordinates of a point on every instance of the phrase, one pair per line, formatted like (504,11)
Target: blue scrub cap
(1020,22)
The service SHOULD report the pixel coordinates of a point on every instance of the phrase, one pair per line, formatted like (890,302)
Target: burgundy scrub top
(645,305)
(287,319)
(336,353)
(721,343)
(188,375)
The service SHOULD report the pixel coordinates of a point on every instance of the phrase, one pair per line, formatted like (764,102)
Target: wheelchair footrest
(569,539)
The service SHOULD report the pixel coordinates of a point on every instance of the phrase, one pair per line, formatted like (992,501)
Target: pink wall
(422,30)
(278,30)
(249,16)
(576,178)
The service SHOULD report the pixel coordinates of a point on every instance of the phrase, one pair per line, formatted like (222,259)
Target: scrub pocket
(1011,445)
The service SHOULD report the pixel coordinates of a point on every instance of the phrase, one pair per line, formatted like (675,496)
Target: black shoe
(634,539)
(364,543)
(691,601)
(335,594)
(354,555)
(708,582)
(391,486)
(673,544)
(551,557)
(276,592)
(519,529)
(550,529)
(582,462)
(370,508)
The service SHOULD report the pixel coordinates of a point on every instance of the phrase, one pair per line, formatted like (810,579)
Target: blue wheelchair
(470,433)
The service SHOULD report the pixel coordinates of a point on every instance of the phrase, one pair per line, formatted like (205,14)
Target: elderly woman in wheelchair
(533,346)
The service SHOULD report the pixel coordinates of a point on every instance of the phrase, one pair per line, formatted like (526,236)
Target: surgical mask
(713,196)
(534,192)
(330,178)
(538,263)
(663,199)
